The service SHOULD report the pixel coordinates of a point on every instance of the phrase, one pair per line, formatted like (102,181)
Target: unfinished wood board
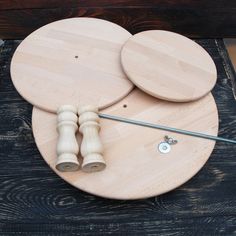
(168,66)
(135,168)
(74,61)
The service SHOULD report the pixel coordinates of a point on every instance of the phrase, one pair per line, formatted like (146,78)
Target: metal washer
(164,147)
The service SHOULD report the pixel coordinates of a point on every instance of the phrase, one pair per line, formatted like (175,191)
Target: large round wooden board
(135,168)
(168,66)
(74,61)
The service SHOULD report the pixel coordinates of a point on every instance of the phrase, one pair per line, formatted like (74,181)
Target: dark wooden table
(208,18)
(35,201)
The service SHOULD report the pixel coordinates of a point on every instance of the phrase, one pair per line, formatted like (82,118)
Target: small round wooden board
(168,66)
(73,61)
(135,168)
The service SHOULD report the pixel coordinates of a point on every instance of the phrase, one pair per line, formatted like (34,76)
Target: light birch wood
(168,66)
(67,146)
(73,61)
(135,168)
(91,145)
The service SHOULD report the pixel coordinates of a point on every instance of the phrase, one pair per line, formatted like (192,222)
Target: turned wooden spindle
(91,146)
(67,146)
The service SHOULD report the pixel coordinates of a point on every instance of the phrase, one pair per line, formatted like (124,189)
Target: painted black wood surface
(193,18)
(35,201)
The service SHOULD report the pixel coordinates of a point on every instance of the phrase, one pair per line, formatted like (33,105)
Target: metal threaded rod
(161,127)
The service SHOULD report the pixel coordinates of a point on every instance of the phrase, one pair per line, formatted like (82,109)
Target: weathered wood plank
(191,18)
(187,4)
(35,201)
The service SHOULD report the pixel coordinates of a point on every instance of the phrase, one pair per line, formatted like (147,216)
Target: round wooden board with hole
(135,168)
(73,61)
(168,66)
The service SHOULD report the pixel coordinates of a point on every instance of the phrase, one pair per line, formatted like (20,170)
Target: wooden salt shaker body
(91,146)
(67,146)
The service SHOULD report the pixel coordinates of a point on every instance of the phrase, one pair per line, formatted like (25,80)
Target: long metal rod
(161,127)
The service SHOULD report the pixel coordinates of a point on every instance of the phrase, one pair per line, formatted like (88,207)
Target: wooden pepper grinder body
(91,147)
(67,146)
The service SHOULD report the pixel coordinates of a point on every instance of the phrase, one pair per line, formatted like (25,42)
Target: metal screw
(170,140)
(164,147)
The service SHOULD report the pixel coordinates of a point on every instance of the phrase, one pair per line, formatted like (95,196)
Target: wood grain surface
(74,61)
(135,168)
(32,4)
(35,201)
(168,66)
(209,18)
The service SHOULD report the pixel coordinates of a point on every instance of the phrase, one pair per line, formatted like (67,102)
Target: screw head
(170,140)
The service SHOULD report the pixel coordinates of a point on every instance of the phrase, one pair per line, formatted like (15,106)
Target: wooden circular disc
(169,66)
(135,168)
(74,61)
